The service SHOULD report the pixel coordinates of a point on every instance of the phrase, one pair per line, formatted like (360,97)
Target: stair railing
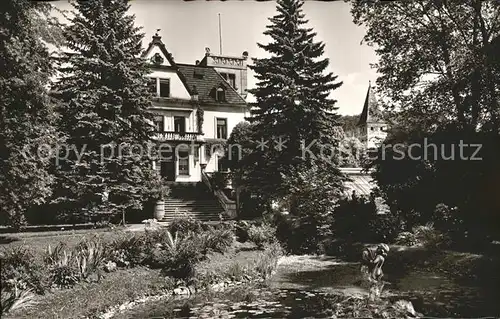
(228,205)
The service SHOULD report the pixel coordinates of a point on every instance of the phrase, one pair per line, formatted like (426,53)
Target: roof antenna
(220,37)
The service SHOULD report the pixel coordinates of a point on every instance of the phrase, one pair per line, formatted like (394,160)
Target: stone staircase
(191,200)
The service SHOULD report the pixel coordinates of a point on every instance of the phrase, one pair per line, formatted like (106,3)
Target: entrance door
(167,169)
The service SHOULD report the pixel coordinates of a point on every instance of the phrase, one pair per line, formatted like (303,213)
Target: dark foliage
(104,112)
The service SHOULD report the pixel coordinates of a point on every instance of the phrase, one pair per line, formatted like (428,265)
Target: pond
(313,288)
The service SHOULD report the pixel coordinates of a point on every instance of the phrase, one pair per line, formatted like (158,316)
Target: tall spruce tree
(292,102)
(26,116)
(105,97)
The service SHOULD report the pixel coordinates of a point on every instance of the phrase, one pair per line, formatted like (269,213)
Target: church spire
(371,112)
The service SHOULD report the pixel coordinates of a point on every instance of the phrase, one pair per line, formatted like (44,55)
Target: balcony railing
(177,136)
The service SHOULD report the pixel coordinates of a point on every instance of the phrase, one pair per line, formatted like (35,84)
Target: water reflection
(317,294)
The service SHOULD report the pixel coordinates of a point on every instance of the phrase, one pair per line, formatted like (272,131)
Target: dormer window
(220,95)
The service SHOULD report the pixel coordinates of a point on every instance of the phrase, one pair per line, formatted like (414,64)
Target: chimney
(194,93)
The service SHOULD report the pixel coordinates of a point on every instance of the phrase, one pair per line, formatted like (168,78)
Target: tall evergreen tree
(26,114)
(292,101)
(105,97)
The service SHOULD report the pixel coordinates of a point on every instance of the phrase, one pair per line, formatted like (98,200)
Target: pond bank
(275,299)
(440,284)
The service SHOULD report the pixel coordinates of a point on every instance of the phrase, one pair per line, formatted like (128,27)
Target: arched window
(220,95)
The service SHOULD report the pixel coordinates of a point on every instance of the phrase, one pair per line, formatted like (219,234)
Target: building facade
(196,107)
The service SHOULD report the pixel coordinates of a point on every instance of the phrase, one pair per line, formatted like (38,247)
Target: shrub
(384,227)
(241,230)
(216,239)
(128,250)
(352,217)
(176,254)
(65,276)
(303,234)
(426,236)
(90,256)
(20,266)
(14,299)
(62,266)
(266,262)
(407,238)
(185,225)
(261,235)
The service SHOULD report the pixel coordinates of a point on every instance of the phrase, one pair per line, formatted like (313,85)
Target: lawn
(39,241)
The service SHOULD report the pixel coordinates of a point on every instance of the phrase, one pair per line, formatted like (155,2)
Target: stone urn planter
(159,210)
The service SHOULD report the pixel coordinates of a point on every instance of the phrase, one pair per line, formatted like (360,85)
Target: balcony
(177,136)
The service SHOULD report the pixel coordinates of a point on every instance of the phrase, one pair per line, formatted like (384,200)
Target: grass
(39,241)
(87,299)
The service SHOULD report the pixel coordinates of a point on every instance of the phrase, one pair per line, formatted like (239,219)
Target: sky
(187,28)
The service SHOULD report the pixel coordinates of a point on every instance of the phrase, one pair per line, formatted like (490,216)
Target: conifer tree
(292,102)
(26,116)
(105,118)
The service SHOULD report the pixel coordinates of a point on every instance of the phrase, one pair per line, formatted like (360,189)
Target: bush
(357,220)
(261,235)
(185,225)
(302,234)
(175,254)
(61,263)
(241,230)
(384,227)
(67,267)
(352,217)
(21,270)
(15,299)
(426,236)
(266,262)
(90,256)
(129,250)
(216,239)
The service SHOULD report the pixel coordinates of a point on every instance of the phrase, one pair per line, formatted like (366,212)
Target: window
(164,88)
(222,128)
(159,123)
(372,128)
(179,124)
(152,86)
(230,78)
(220,95)
(183,163)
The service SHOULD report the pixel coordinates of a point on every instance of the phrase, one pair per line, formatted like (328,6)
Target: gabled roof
(157,42)
(371,112)
(204,79)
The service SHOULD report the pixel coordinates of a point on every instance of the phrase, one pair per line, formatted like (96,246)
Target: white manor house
(198,105)
(195,103)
